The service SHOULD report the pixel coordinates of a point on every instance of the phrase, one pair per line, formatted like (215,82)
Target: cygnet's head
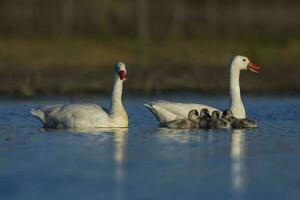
(227,113)
(215,115)
(120,71)
(218,122)
(204,113)
(243,63)
(193,115)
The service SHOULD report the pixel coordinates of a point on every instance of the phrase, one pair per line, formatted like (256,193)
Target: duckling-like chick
(249,123)
(227,114)
(193,116)
(238,123)
(180,124)
(204,113)
(218,122)
(243,123)
(204,119)
(190,123)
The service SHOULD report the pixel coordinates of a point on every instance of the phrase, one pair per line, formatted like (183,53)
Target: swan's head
(120,71)
(243,63)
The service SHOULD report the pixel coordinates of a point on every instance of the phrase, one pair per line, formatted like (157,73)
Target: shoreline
(81,65)
(159,95)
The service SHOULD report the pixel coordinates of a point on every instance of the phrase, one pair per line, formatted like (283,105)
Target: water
(147,162)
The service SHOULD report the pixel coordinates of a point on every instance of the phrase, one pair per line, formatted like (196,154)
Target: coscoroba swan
(88,115)
(168,111)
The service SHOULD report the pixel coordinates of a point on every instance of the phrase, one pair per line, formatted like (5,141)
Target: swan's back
(180,108)
(72,115)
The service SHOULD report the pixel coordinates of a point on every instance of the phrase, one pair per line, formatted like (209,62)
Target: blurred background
(70,46)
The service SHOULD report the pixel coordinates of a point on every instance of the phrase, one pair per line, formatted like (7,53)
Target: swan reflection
(237,152)
(118,137)
(119,142)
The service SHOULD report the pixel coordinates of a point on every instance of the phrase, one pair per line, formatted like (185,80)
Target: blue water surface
(147,162)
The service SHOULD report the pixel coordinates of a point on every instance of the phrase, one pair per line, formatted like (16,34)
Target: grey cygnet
(218,122)
(238,123)
(190,123)
(204,119)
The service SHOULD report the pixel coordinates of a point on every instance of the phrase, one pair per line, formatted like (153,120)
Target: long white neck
(117,112)
(236,104)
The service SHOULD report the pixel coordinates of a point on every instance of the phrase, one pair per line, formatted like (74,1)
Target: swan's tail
(150,107)
(38,114)
(153,110)
(161,114)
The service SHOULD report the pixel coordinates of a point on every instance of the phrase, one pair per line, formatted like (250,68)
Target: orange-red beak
(253,67)
(122,75)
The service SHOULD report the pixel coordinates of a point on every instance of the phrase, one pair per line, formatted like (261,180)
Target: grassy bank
(68,65)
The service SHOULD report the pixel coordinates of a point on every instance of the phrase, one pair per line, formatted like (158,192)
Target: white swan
(168,111)
(88,115)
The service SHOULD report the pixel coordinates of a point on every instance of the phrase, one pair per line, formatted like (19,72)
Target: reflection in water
(177,135)
(120,142)
(119,136)
(119,139)
(237,152)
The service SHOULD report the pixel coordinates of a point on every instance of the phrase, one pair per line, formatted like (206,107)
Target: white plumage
(87,115)
(166,111)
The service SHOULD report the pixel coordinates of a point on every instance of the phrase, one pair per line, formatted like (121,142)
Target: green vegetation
(66,65)
(70,46)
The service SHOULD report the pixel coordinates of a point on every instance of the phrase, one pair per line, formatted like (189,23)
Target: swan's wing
(181,110)
(71,115)
(78,111)
(82,115)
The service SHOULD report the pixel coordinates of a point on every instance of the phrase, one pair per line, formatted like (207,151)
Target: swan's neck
(117,112)
(236,104)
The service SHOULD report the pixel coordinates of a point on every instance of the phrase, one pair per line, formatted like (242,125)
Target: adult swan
(167,111)
(88,115)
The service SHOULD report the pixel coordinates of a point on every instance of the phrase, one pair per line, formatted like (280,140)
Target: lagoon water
(147,162)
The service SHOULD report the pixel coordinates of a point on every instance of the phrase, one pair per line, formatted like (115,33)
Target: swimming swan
(168,111)
(88,115)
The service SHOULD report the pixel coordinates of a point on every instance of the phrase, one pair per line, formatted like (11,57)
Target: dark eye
(244,60)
